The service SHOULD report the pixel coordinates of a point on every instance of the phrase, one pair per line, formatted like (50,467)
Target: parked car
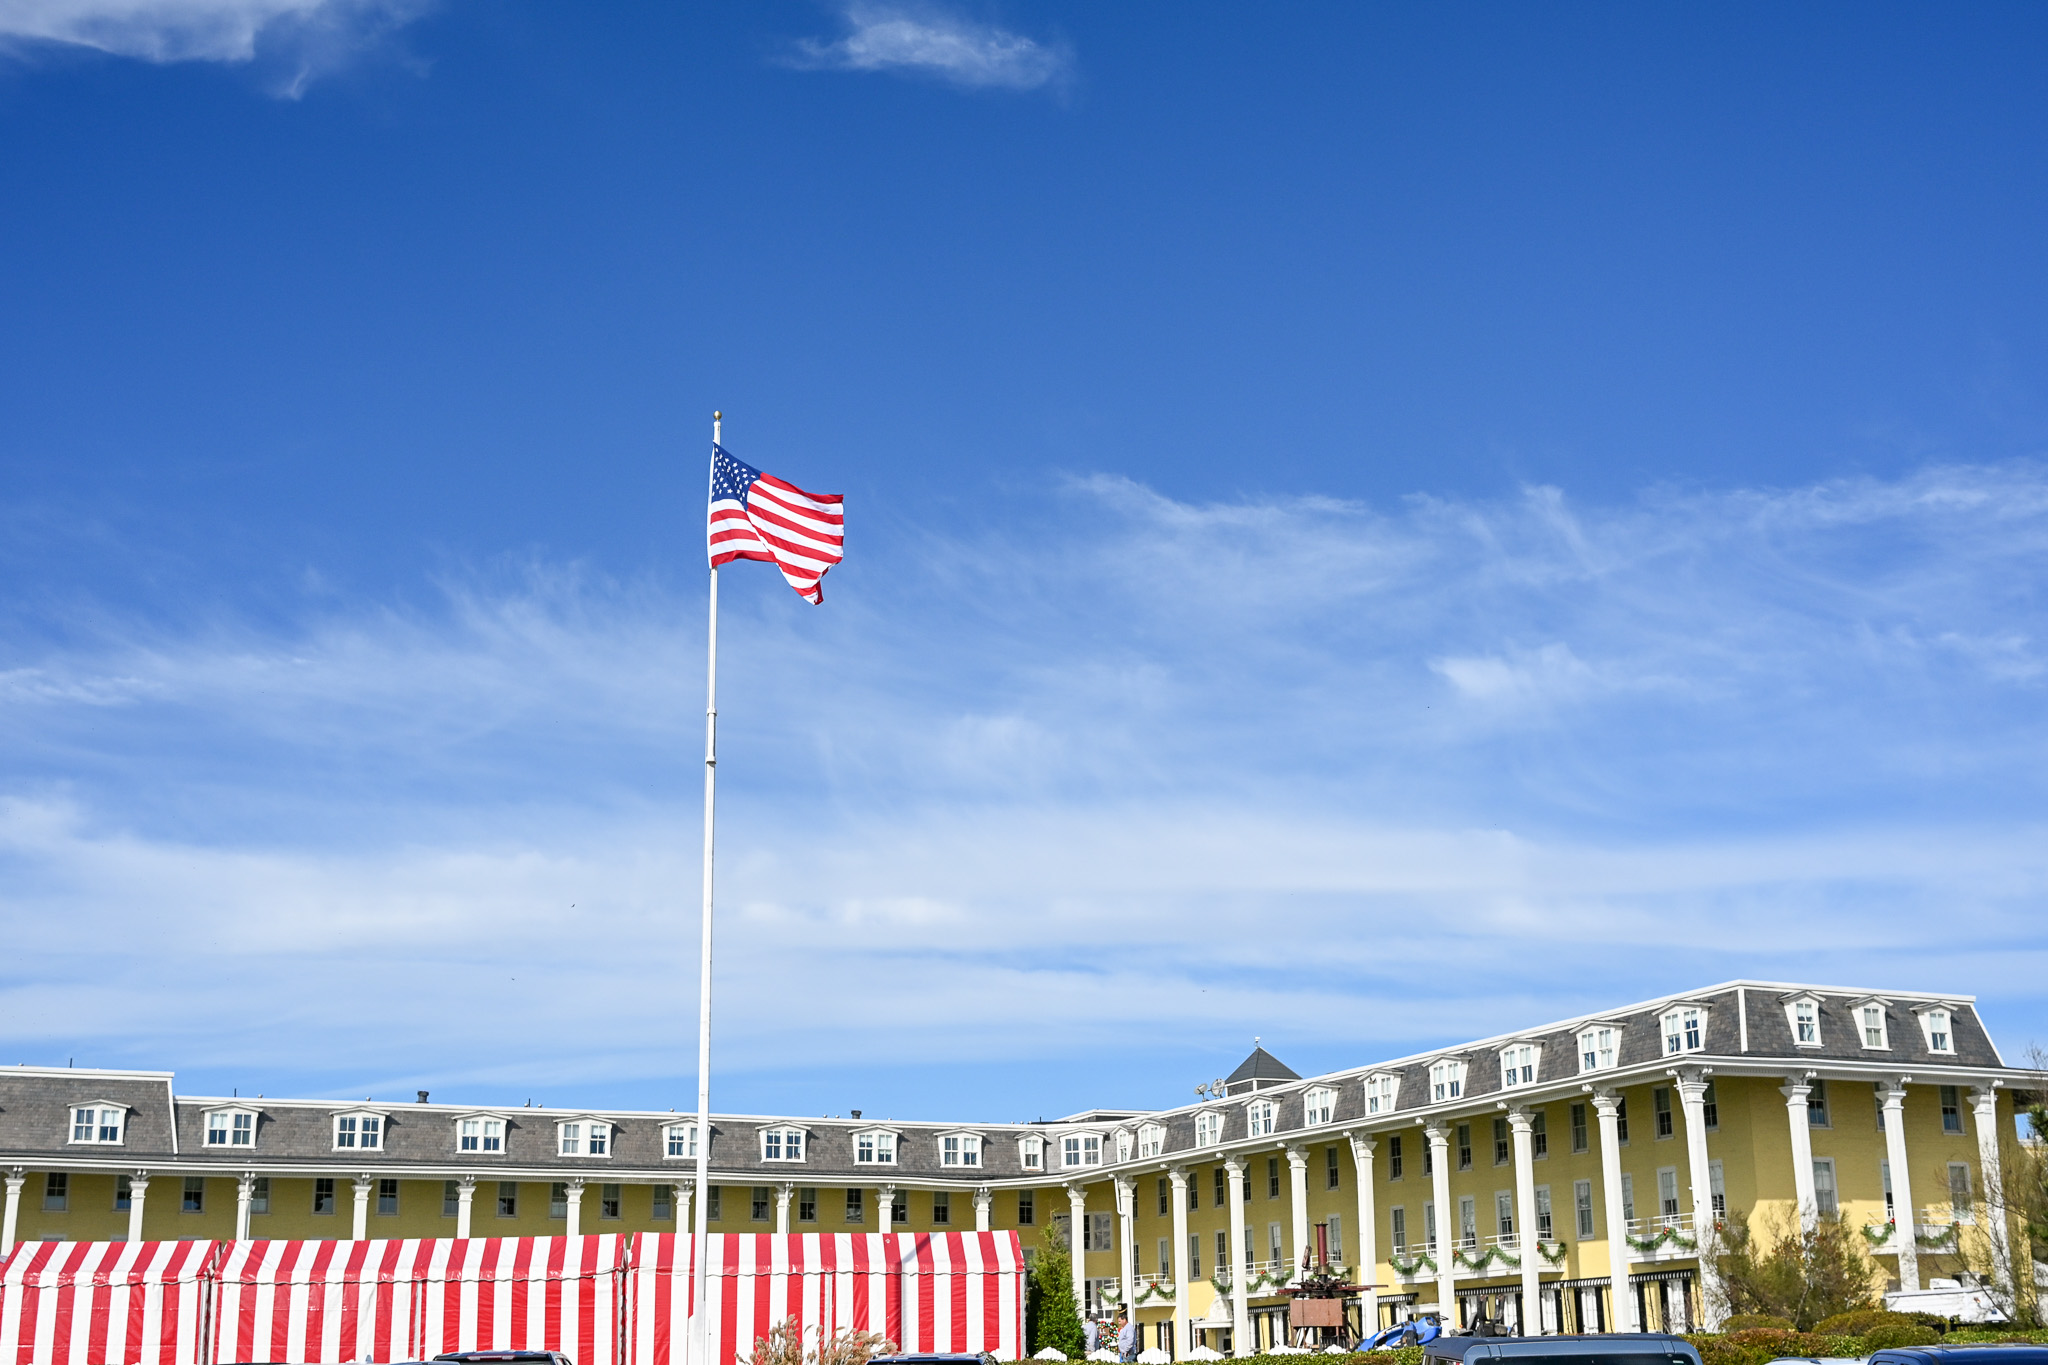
(936,1358)
(1976,1353)
(1592,1348)
(506,1358)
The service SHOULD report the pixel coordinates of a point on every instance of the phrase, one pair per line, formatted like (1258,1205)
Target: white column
(1126,1236)
(10,1222)
(1183,1341)
(1240,1276)
(1692,1097)
(1368,1235)
(885,1209)
(1297,1172)
(573,1201)
(364,1184)
(683,1193)
(1903,1211)
(138,1194)
(1077,1238)
(1528,1237)
(1795,1090)
(784,1192)
(1984,1109)
(1439,1139)
(465,1204)
(1607,1104)
(983,1199)
(245,1193)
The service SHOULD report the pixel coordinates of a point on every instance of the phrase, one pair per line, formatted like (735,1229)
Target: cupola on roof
(1257,1072)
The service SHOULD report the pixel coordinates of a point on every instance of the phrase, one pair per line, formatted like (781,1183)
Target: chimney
(854,1112)
(423,1097)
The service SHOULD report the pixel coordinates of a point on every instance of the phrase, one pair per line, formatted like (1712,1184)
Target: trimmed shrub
(1862,1320)
(1744,1322)
(1887,1336)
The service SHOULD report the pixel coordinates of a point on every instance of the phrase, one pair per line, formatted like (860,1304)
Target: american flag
(758,516)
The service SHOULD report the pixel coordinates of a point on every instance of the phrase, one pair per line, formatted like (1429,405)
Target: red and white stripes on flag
(758,516)
(402,1300)
(103,1303)
(947,1291)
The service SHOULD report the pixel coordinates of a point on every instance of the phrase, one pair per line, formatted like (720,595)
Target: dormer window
(1937,1025)
(583,1137)
(1082,1149)
(102,1123)
(480,1135)
(1151,1139)
(1446,1081)
(231,1128)
(874,1149)
(960,1149)
(359,1132)
(1379,1093)
(1518,1063)
(1031,1153)
(1317,1106)
(1802,1012)
(1125,1143)
(679,1140)
(782,1144)
(1685,1030)
(1871,1030)
(1261,1116)
(1599,1048)
(1208,1128)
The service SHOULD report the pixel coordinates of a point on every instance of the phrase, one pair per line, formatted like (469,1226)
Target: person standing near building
(1091,1335)
(1126,1338)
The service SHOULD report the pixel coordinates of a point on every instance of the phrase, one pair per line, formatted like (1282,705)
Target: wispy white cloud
(298,40)
(927,39)
(1110,764)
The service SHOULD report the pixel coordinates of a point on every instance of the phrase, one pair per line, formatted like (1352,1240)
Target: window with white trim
(782,1144)
(1599,1048)
(960,1149)
(1318,1106)
(1031,1152)
(583,1137)
(1081,1149)
(1446,1081)
(99,1124)
(231,1128)
(1803,1014)
(1261,1117)
(1208,1128)
(480,1135)
(874,1149)
(359,1132)
(1938,1027)
(1518,1064)
(1151,1139)
(1685,1030)
(1379,1093)
(679,1140)
(1962,1201)
(1870,1024)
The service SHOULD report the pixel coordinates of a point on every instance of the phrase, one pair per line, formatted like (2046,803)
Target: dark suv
(1979,1353)
(1593,1348)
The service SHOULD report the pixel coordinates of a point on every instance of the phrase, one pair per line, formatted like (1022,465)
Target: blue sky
(1368,526)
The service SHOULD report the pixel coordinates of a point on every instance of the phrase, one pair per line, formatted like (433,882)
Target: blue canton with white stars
(730,478)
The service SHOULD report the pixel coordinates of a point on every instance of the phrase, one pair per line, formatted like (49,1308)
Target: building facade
(1564,1178)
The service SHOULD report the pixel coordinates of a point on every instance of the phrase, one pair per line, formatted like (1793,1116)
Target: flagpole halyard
(700,1205)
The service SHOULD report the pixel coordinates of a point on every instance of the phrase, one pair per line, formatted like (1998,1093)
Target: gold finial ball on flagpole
(718,417)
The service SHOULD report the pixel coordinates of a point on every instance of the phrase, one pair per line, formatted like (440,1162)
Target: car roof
(1623,1343)
(2017,1352)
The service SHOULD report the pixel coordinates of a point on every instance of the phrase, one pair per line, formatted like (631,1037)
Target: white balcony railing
(1662,1237)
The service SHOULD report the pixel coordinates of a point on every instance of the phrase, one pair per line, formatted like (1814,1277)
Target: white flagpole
(700,1319)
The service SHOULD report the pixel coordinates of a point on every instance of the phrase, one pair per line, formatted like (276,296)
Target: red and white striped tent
(946,1291)
(103,1303)
(402,1300)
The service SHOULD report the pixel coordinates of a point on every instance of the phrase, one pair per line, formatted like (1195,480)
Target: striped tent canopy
(398,1300)
(952,1291)
(103,1303)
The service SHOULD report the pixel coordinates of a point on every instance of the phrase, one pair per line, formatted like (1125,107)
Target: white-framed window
(1081,1149)
(99,1124)
(1717,1189)
(1546,1227)
(1599,1048)
(1126,1143)
(480,1134)
(1667,1191)
(1208,1128)
(360,1131)
(1380,1090)
(874,1149)
(1446,1081)
(1685,1030)
(1031,1153)
(679,1140)
(231,1128)
(1802,1012)
(1827,1201)
(583,1137)
(1318,1106)
(782,1144)
(1962,1201)
(1518,1063)
(1260,1118)
(960,1149)
(1151,1139)
(1582,1207)
(1937,1025)
(1870,1026)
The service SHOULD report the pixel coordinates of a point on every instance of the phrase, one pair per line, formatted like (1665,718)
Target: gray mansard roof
(1746,1031)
